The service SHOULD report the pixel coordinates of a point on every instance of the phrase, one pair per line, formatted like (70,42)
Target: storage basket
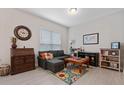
(4,69)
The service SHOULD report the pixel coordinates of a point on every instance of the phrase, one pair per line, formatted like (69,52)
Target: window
(49,40)
(45,37)
(56,38)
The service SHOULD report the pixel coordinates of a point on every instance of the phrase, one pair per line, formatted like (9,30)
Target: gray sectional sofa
(56,64)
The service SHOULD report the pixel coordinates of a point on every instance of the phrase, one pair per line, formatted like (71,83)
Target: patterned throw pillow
(43,55)
(50,56)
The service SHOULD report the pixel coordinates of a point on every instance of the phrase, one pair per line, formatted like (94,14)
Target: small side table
(4,69)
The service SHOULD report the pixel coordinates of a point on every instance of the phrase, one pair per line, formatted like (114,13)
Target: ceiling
(59,15)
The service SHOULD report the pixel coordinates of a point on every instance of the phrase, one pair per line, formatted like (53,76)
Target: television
(115,45)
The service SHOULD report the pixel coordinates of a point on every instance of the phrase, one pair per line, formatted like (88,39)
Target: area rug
(70,76)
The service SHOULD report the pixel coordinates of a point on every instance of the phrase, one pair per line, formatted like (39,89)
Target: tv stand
(94,57)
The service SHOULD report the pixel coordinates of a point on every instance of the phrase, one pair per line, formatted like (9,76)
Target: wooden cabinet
(22,59)
(111,59)
(94,57)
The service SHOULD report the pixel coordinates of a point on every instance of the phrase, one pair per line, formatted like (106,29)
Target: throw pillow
(50,56)
(43,55)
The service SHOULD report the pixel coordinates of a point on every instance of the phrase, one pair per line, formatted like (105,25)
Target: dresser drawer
(29,59)
(18,68)
(18,60)
(29,65)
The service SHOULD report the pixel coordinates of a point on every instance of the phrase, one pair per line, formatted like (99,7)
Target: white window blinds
(45,37)
(49,40)
(56,38)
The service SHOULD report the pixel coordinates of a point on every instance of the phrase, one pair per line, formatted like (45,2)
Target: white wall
(10,18)
(110,29)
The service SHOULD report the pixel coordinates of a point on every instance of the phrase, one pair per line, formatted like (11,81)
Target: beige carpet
(43,77)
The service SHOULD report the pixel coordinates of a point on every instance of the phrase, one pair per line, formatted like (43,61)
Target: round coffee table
(79,61)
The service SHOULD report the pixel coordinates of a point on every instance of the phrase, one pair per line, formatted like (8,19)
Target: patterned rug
(70,76)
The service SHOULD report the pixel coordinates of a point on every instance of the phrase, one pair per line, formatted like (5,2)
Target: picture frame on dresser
(90,39)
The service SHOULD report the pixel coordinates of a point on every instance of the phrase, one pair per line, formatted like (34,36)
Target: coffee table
(79,61)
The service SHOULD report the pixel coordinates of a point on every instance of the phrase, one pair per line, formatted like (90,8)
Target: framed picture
(115,45)
(89,39)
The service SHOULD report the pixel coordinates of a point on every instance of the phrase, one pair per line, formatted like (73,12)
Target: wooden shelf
(110,67)
(110,61)
(109,56)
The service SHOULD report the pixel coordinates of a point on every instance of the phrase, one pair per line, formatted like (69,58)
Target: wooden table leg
(65,64)
(88,64)
(80,68)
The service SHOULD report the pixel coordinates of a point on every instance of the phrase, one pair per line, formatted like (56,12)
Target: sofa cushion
(55,60)
(54,53)
(57,53)
(61,57)
(60,52)
(55,65)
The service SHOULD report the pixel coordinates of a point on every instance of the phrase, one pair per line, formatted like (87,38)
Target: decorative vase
(14,45)
(14,42)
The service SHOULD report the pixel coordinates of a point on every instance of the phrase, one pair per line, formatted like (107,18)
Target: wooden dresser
(22,59)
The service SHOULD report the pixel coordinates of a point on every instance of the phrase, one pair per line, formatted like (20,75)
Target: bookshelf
(111,59)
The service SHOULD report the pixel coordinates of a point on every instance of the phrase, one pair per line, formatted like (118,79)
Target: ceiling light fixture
(72,11)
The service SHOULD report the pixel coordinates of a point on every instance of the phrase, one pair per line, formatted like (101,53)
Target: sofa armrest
(42,63)
(41,59)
